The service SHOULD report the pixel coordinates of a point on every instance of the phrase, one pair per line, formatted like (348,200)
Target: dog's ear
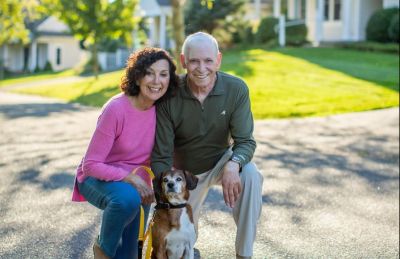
(191,180)
(157,188)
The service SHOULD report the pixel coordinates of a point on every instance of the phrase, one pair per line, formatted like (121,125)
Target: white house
(51,41)
(333,20)
(158,15)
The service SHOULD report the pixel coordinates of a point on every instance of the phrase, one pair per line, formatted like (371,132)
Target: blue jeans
(120,203)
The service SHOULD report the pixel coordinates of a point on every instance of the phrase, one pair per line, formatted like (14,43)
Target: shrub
(37,69)
(265,31)
(244,34)
(296,35)
(48,66)
(394,28)
(379,23)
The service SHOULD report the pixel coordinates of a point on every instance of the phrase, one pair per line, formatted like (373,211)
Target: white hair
(196,38)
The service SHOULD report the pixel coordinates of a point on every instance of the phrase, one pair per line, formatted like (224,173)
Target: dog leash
(143,236)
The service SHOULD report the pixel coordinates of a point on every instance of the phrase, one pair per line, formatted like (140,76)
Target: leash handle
(147,175)
(143,236)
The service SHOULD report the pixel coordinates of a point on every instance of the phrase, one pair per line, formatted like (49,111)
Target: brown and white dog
(173,230)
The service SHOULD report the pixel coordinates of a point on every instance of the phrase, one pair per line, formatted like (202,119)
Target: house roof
(47,26)
(164,2)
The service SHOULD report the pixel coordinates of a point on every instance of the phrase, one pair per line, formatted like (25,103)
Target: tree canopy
(96,20)
(206,17)
(12,25)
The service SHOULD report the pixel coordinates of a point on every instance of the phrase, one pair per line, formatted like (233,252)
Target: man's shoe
(98,252)
(242,257)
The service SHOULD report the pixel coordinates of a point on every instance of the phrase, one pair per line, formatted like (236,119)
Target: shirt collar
(218,88)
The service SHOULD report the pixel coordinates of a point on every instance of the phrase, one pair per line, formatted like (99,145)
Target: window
(303,9)
(336,10)
(326,10)
(58,56)
(332,10)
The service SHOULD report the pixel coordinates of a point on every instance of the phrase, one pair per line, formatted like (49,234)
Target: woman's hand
(145,191)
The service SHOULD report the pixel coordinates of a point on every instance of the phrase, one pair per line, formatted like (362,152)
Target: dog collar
(162,205)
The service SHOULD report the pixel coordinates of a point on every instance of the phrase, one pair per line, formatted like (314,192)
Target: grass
(290,82)
(35,77)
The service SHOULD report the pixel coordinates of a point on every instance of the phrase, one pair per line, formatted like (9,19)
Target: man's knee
(250,175)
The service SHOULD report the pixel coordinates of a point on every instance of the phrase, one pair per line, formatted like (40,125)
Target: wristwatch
(236,160)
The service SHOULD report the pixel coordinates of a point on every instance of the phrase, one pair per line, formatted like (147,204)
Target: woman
(121,143)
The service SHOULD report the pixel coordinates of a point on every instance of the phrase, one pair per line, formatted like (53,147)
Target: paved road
(331,186)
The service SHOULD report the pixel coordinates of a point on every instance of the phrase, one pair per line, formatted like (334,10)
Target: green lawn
(288,82)
(35,77)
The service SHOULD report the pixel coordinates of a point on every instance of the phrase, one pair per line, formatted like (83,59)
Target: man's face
(202,63)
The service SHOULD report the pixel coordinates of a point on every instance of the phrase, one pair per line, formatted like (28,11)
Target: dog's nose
(170,185)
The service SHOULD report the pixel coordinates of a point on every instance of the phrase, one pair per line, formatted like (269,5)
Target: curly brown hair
(137,65)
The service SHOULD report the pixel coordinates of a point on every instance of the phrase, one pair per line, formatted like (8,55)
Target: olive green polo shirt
(194,136)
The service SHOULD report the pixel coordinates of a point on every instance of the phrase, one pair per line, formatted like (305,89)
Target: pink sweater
(123,140)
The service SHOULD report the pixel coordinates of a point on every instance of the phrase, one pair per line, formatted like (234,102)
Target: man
(207,129)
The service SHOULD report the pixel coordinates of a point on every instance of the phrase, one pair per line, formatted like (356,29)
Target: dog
(173,230)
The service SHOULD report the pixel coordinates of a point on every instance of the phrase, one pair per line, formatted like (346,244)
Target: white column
(152,31)
(33,56)
(292,8)
(346,21)
(356,21)
(162,31)
(257,8)
(277,8)
(319,19)
(282,29)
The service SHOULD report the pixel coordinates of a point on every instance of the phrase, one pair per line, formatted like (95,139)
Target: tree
(179,25)
(179,29)
(96,20)
(200,17)
(12,26)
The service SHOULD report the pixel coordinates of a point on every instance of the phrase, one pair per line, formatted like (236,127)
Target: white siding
(70,52)
(15,60)
(52,24)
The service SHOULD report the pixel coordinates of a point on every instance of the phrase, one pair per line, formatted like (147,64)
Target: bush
(394,28)
(265,31)
(48,66)
(244,34)
(379,23)
(296,35)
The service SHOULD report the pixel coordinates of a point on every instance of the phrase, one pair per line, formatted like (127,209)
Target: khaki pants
(247,209)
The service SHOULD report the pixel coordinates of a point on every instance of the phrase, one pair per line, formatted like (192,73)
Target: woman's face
(156,80)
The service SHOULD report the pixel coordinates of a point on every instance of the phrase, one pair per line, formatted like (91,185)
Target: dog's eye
(165,180)
(179,179)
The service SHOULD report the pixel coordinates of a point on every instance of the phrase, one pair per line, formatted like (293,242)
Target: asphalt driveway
(331,187)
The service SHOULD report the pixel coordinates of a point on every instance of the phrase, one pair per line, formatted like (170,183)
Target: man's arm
(241,127)
(162,155)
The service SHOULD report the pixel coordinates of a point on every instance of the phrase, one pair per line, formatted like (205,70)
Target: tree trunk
(179,30)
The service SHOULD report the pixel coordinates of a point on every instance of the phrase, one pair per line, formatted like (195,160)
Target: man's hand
(231,185)
(145,191)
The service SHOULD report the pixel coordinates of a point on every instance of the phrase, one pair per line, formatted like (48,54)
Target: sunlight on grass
(88,92)
(285,86)
(285,83)
(36,77)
